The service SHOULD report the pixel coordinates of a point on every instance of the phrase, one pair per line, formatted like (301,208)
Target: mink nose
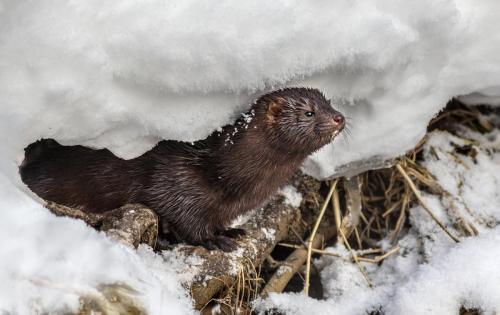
(338,119)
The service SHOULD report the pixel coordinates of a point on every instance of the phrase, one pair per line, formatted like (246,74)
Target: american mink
(197,188)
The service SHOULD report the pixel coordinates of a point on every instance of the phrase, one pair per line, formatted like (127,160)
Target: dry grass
(388,194)
(237,297)
(333,186)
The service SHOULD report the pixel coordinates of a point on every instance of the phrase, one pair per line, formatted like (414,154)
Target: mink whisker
(348,131)
(346,135)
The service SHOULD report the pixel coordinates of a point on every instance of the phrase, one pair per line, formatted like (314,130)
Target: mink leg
(209,237)
(223,239)
(231,232)
(225,243)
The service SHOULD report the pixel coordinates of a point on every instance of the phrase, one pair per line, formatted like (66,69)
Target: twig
(289,267)
(336,210)
(358,238)
(297,235)
(304,245)
(314,250)
(423,176)
(313,233)
(423,203)
(271,262)
(401,218)
(336,213)
(355,257)
(369,251)
(367,229)
(391,208)
(378,259)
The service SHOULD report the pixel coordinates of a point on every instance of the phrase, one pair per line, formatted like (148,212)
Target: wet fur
(197,189)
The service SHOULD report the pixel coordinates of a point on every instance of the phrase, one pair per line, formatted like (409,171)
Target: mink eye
(309,114)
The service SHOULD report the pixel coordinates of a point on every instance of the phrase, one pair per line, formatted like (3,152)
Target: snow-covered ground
(430,274)
(124,74)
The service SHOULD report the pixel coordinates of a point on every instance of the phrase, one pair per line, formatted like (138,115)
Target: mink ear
(275,107)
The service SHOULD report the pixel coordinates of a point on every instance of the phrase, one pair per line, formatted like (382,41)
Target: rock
(131,224)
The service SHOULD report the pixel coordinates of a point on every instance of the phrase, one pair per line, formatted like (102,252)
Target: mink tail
(35,151)
(77,176)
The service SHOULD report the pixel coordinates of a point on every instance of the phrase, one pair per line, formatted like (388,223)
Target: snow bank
(123,75)
(466,275)
(48,262)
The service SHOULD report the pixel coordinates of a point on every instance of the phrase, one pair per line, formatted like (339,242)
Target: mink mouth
(336,132)
(326,137)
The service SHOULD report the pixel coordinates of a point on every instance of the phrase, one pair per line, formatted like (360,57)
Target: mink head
(300,119)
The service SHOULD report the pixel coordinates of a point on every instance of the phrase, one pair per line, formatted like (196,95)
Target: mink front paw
(222,242)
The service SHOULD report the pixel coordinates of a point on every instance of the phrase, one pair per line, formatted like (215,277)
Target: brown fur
(197,189)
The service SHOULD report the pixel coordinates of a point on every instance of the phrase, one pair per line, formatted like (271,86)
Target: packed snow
(292,196)
(123,75)
(466,275)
